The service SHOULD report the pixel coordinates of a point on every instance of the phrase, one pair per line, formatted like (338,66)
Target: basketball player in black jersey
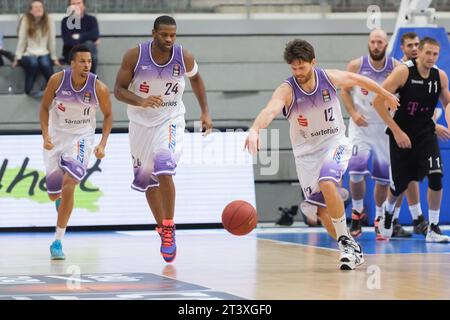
(413,144)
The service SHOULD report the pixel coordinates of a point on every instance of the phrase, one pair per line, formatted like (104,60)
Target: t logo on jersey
(61,107)
(364,91)
(303,122)
(144,87)
(176,70)
(87,97)
(326,95)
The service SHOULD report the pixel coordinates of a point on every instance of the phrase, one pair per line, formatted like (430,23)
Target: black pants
(423,159)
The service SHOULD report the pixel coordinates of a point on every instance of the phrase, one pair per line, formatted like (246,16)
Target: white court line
(258,230)
(287,243)
(290,230)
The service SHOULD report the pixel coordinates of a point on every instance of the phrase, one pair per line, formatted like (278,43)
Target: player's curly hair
(298,49)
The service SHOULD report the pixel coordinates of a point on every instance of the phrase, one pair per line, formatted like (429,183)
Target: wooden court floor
(270,263)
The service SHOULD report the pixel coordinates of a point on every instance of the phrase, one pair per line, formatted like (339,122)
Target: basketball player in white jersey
(310,103)
(151,81)
(366,131)
(67,116)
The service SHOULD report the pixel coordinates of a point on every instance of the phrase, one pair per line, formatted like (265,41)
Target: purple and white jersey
(314,117)
(73,111)
(152,79)
(362,98)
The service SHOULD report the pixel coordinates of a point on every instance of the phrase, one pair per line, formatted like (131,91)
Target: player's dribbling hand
(442,132)
(391,102)
(99,151)
(48,145)
(207,125)
(402,140)
(152,102)
(252,142)
(359,119)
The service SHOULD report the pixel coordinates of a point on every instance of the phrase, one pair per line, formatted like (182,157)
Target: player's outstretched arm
(198,86)
(392,83)
(104,101)
(280,98)
(346,97)
(124,78)
(47,99)
(343,79)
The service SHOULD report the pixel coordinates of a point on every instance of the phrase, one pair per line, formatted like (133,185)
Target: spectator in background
(3,52)
(86,32)
(36,45)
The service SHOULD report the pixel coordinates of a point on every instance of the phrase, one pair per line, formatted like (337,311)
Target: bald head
(378,34)
(377,44)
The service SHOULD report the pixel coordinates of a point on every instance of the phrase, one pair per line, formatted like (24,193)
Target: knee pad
(164,163)
(355,178)
(435,181)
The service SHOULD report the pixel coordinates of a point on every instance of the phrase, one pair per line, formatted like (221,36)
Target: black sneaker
(420,225)
(355,227)
(385,225)
(399,231)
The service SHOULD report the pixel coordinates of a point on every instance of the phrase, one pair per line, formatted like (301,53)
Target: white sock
(416,210)
(340,225)
(59,234)
(390,206)
(433,215)
(378,212)
(396,212)
(358,205)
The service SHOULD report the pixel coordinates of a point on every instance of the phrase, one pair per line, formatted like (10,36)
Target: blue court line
(415,244)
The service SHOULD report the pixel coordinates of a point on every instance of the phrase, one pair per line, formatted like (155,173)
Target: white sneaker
(351,255)
(386,223)
(434,234)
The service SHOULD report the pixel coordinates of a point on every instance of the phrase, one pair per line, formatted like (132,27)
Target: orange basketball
(239,217)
